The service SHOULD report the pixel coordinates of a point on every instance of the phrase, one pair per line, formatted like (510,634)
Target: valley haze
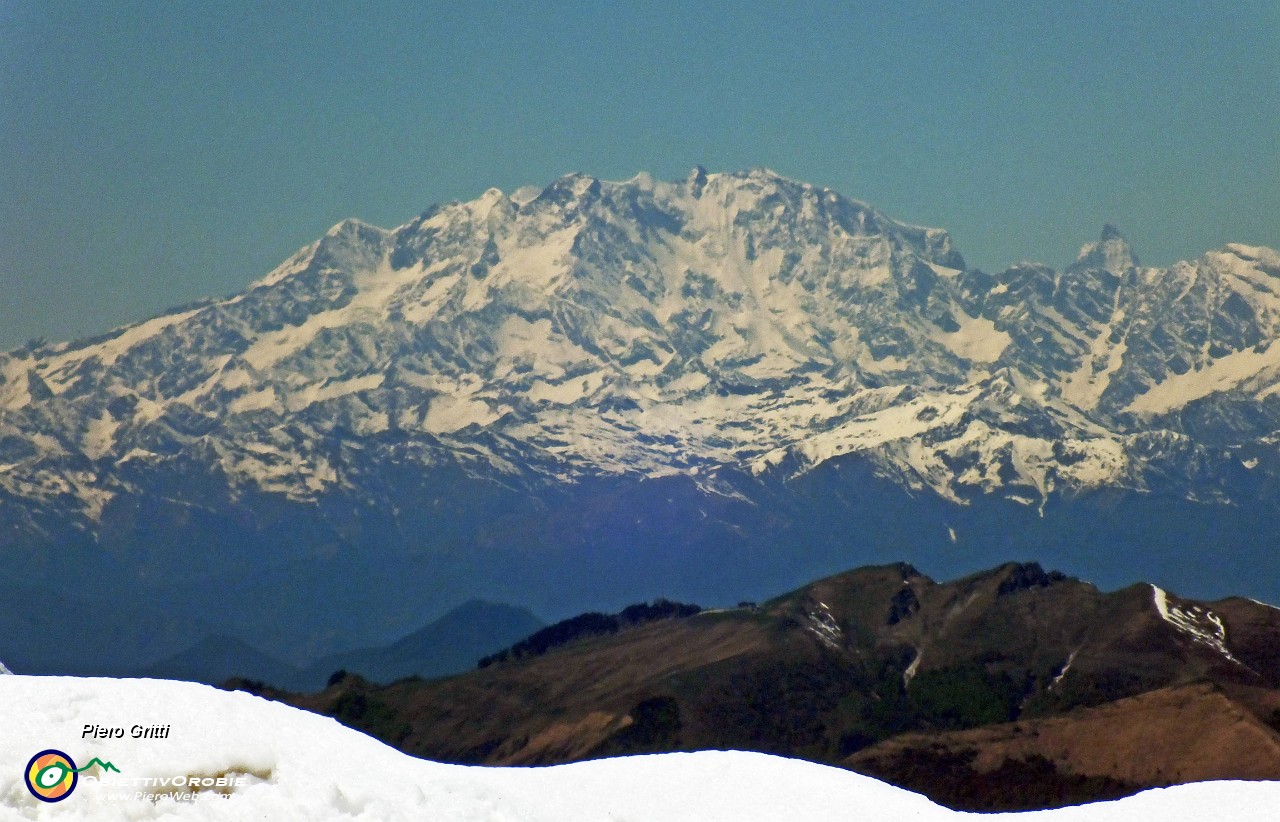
(599,392)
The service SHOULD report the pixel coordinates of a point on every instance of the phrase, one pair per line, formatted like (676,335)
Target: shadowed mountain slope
(979,685)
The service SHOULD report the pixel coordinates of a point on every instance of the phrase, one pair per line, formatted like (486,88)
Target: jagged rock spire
(1111,253)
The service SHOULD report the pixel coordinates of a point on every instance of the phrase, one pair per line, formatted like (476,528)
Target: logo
(51,775)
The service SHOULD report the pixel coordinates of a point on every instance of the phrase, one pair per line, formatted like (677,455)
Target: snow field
(300,766)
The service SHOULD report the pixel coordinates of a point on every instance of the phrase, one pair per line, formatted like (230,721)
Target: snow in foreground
(296,765)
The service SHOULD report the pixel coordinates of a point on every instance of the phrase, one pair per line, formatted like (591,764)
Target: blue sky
(152,153)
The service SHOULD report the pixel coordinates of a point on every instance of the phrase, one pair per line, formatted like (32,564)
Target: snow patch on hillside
(1223,374)
(977,340)
(1085,386)
(1198,623)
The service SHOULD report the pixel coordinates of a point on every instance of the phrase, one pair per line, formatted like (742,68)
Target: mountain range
(1010,689)
(449,645)
(576,397)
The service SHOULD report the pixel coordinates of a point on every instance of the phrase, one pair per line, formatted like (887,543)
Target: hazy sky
(155,152)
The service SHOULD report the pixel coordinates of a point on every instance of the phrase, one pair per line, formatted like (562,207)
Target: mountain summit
(382,393)
(1011,689)
(1111,253)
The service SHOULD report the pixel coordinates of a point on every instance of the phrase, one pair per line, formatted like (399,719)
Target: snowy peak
(1111,254)
(646,327)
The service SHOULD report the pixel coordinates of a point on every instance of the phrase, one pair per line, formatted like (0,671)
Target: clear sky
(152,153)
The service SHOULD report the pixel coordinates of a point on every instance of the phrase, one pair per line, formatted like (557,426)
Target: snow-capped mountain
(650,328)
(732,329)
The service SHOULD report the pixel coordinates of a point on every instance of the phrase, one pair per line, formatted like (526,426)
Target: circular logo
(51,776)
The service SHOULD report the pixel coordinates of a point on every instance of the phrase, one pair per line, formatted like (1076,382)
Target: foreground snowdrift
(294,765)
